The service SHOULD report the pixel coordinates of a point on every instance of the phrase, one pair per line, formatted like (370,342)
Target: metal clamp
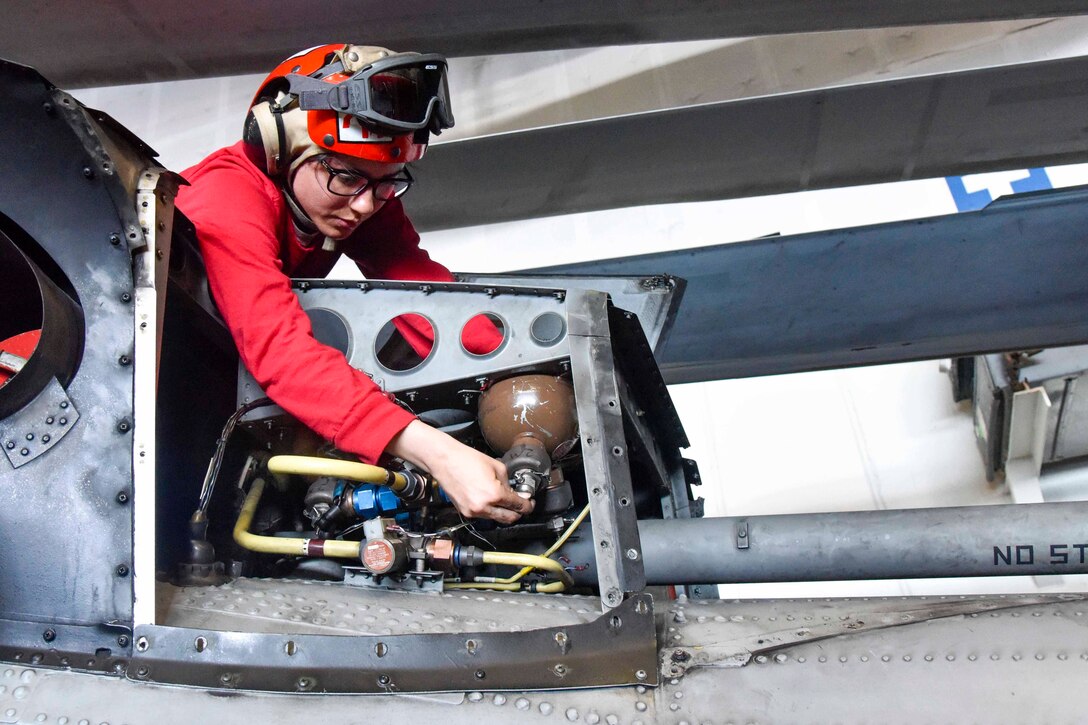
(742,534)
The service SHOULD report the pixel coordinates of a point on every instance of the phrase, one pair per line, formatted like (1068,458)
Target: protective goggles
(401,93)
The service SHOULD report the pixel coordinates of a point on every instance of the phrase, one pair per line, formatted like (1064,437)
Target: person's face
(338,216)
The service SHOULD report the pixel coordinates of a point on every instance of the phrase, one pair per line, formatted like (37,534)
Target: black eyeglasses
(351,183)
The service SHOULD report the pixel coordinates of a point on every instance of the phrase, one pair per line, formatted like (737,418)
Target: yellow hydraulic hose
(283,545)
(554,547)
(509,584)
(312,466)
(528,560)
(485,585)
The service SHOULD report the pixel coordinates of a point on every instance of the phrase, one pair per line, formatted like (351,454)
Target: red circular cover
(378,556)
(22,345)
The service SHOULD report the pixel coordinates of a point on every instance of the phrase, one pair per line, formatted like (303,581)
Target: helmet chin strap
(304,226)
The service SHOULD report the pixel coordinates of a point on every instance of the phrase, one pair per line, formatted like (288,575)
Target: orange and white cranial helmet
(361,101)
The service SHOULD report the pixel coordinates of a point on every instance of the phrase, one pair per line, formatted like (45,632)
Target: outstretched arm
(475,482)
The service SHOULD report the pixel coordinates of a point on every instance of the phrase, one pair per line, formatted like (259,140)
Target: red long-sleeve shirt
(251,250)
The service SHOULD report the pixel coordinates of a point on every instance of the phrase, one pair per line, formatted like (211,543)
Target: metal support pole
(1026,539)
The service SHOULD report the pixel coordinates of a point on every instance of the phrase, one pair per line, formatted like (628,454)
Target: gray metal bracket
(617,549)
(39,426)
(617,648)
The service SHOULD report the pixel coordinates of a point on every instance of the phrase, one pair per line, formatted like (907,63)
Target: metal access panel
(654,300)
(68,471)
(563,331)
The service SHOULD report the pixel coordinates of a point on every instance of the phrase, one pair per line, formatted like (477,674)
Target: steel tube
(904,544)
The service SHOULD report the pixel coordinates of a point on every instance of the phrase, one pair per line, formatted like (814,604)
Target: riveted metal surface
(1008,659)
(278,606)
(50,149)
(654,300)
(970,660)
(67,698)
(36,428)
(618,647)
(103,648)
(365,308)
(604,448)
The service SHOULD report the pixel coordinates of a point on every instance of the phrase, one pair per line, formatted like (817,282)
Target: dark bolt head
(122,497)
(115,239)
(122,570)
(46,438)
(122,641)
(88,172)
(48,108)
(480,674)
(124,426)
(126,297)
(124,360)
(680,655)
(49,635)
(383,680)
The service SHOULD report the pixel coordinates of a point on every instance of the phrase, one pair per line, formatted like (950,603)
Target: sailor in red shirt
(318,174)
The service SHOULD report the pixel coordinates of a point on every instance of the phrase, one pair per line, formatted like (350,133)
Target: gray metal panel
(49,152)
(605,453)
(888,660)
(165,40)
(958,123)
(618,647)
(912,290)
(655,299)
(365,307)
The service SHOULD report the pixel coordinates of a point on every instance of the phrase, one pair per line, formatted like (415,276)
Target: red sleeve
(395,253)
(240,220)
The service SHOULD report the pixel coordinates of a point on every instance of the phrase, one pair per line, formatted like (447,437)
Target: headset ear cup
(261,136)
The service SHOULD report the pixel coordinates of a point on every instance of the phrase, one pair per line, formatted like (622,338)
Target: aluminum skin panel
(890,660)
(60,192)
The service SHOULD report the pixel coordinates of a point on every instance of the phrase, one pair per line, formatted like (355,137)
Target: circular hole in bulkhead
(405,342)
(330,328)
(483,334)
(41,320)
(548,328)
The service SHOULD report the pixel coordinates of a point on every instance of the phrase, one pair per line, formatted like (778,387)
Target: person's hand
(476,483)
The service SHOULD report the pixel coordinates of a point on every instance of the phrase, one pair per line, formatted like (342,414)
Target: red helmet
(361,101)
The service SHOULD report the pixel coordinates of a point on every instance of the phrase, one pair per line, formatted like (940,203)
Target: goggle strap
(317,95)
